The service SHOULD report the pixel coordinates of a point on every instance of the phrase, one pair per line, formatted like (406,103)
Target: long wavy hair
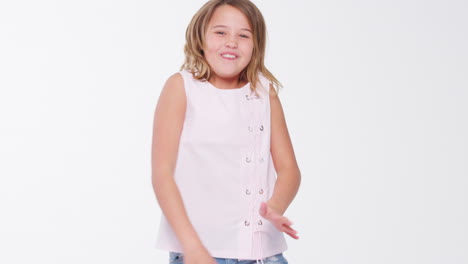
(195,61)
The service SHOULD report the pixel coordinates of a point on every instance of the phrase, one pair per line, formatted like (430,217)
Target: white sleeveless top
(224,170)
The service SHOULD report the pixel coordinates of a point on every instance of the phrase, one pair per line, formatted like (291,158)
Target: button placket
(249,160)
(262,154)
(255,190)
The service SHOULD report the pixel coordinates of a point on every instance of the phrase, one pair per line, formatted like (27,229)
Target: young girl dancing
(223,166)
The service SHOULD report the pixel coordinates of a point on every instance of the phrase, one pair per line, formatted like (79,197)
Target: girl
(223,166)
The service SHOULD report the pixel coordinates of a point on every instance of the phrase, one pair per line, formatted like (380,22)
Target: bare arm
(168,123)
(289,176)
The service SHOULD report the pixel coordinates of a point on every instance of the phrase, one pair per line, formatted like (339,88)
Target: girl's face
(228,42)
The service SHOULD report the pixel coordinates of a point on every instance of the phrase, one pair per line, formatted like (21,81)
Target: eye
(220,33)
(244,36)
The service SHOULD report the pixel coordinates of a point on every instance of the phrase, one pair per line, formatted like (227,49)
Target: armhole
(185,78)
(274,93)
(268,84)
(265,83)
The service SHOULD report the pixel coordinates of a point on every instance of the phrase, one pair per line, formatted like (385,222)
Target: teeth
(228,56)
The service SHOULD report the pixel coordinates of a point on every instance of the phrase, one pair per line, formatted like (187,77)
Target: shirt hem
(229,254)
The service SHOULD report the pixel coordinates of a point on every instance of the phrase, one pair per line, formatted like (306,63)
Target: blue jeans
(178,258)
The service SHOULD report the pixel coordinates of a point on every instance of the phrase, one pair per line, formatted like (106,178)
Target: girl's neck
(230,83)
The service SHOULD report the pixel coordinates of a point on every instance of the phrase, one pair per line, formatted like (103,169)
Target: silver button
(248,160)
(251,97)
(261,128)
(246,223)
(261,191)
(247,191)
(261,160)
(260,222)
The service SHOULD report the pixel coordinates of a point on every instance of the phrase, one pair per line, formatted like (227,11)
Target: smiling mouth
(229,56)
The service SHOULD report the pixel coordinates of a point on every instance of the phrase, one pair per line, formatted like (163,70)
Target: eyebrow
(223,26)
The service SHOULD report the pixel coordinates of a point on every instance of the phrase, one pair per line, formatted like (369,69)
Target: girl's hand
(280,222)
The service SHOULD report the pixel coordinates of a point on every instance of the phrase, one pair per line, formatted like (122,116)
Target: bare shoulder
(171,105)
(273,93)
(174,84)
(173,92)
(276,109)
(275,104)
(175,78)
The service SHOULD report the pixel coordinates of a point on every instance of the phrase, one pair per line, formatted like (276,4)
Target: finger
(295,236)
(283,220)
(289,229)
(289,221)
(292,235)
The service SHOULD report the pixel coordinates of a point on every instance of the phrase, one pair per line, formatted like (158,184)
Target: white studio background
(375,98)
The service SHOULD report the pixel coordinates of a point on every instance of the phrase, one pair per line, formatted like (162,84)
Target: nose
(231,42)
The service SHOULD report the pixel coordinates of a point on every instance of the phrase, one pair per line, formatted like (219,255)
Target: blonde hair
(195,61)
